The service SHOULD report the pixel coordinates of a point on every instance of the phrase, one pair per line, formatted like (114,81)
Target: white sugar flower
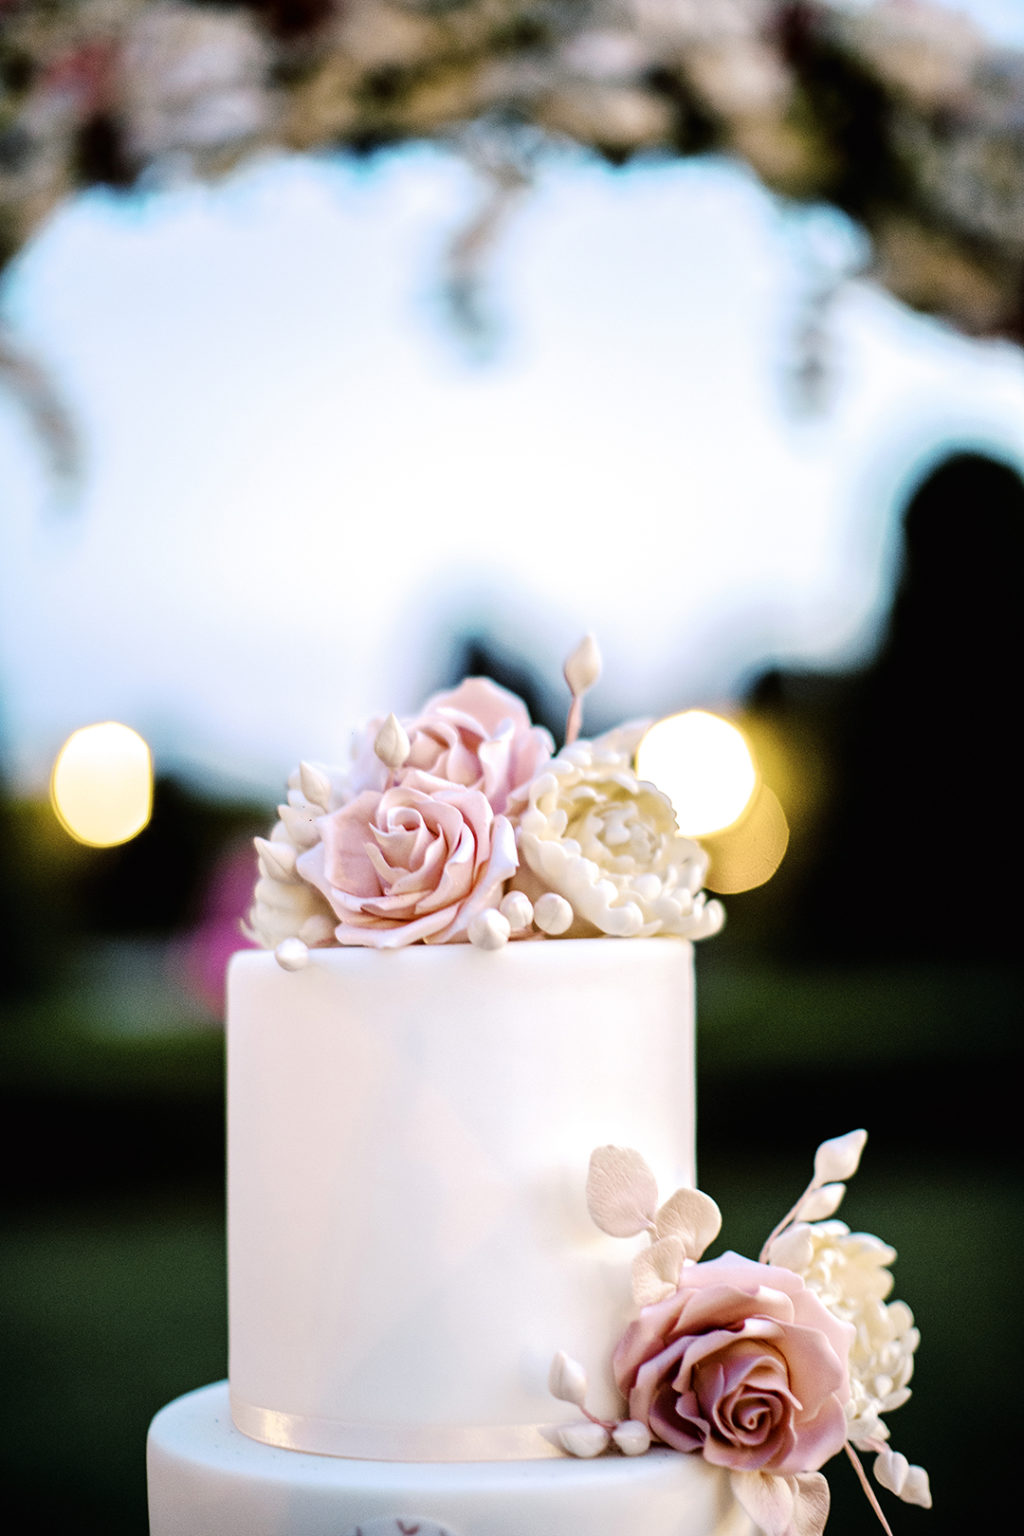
(849,1272)
(284,905)
(608,843)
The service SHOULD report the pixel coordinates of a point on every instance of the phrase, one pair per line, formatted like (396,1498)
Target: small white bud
(300,825)
(518,909)
(567,1380)
(392,744)
(291,954)
(891,1470)
(839,1158)
(315,785)
(916,1489)
(584,1439)
(277,860)
(489,930)
(632,1437)
(821,1203)
(583,666)
(793,1249)
(552,914)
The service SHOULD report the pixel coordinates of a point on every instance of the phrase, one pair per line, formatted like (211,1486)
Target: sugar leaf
(767,1499)
(691,1216)
(839,1158)
(656,1271)
(622,1194)
(810,1504)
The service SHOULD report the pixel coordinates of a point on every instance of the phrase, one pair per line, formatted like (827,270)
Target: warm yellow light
(704,766)
(749,852)
(102,784)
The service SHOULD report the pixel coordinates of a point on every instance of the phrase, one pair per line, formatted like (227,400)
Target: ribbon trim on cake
(323,1436)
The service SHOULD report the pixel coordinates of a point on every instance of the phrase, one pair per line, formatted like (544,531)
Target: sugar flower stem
(607,1424)
(575,720)
(869,1491)
(791,1215)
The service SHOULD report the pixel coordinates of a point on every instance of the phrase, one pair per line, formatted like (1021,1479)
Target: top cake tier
(408,1143)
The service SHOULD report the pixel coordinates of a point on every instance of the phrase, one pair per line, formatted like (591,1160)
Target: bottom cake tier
(208,1479)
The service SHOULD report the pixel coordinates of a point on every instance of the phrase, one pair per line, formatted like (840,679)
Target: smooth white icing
(409,1135)
(206,1479)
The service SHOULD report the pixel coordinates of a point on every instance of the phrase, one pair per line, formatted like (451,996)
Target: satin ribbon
(395,1442)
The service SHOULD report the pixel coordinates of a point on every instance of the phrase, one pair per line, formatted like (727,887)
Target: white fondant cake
(409,1243)
(433,1162)
(207,1479)
(408,1135)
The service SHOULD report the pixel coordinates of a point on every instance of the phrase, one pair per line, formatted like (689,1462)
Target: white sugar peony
(284,905)
(607,842)
(849,1273)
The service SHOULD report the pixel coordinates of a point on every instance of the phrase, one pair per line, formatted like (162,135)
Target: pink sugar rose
(743,1364)
(416,861)
(478,735)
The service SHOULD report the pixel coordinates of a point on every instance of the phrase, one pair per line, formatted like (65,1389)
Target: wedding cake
(441,1062)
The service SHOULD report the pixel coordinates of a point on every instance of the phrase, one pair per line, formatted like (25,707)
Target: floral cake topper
(462,824)
(767,1369)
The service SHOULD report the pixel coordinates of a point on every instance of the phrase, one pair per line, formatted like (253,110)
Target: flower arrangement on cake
(463,824)
(766,1368)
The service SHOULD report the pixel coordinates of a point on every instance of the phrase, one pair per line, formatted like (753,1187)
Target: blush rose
(742,1364)
(478,735)
(414,862)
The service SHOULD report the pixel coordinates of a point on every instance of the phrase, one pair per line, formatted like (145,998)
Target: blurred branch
(900,113)
(32,387)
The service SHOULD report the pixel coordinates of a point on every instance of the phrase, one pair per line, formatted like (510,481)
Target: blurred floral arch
(898,112)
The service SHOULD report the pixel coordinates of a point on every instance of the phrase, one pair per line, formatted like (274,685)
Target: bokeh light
(749,852)
(705,767)
(101,787)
